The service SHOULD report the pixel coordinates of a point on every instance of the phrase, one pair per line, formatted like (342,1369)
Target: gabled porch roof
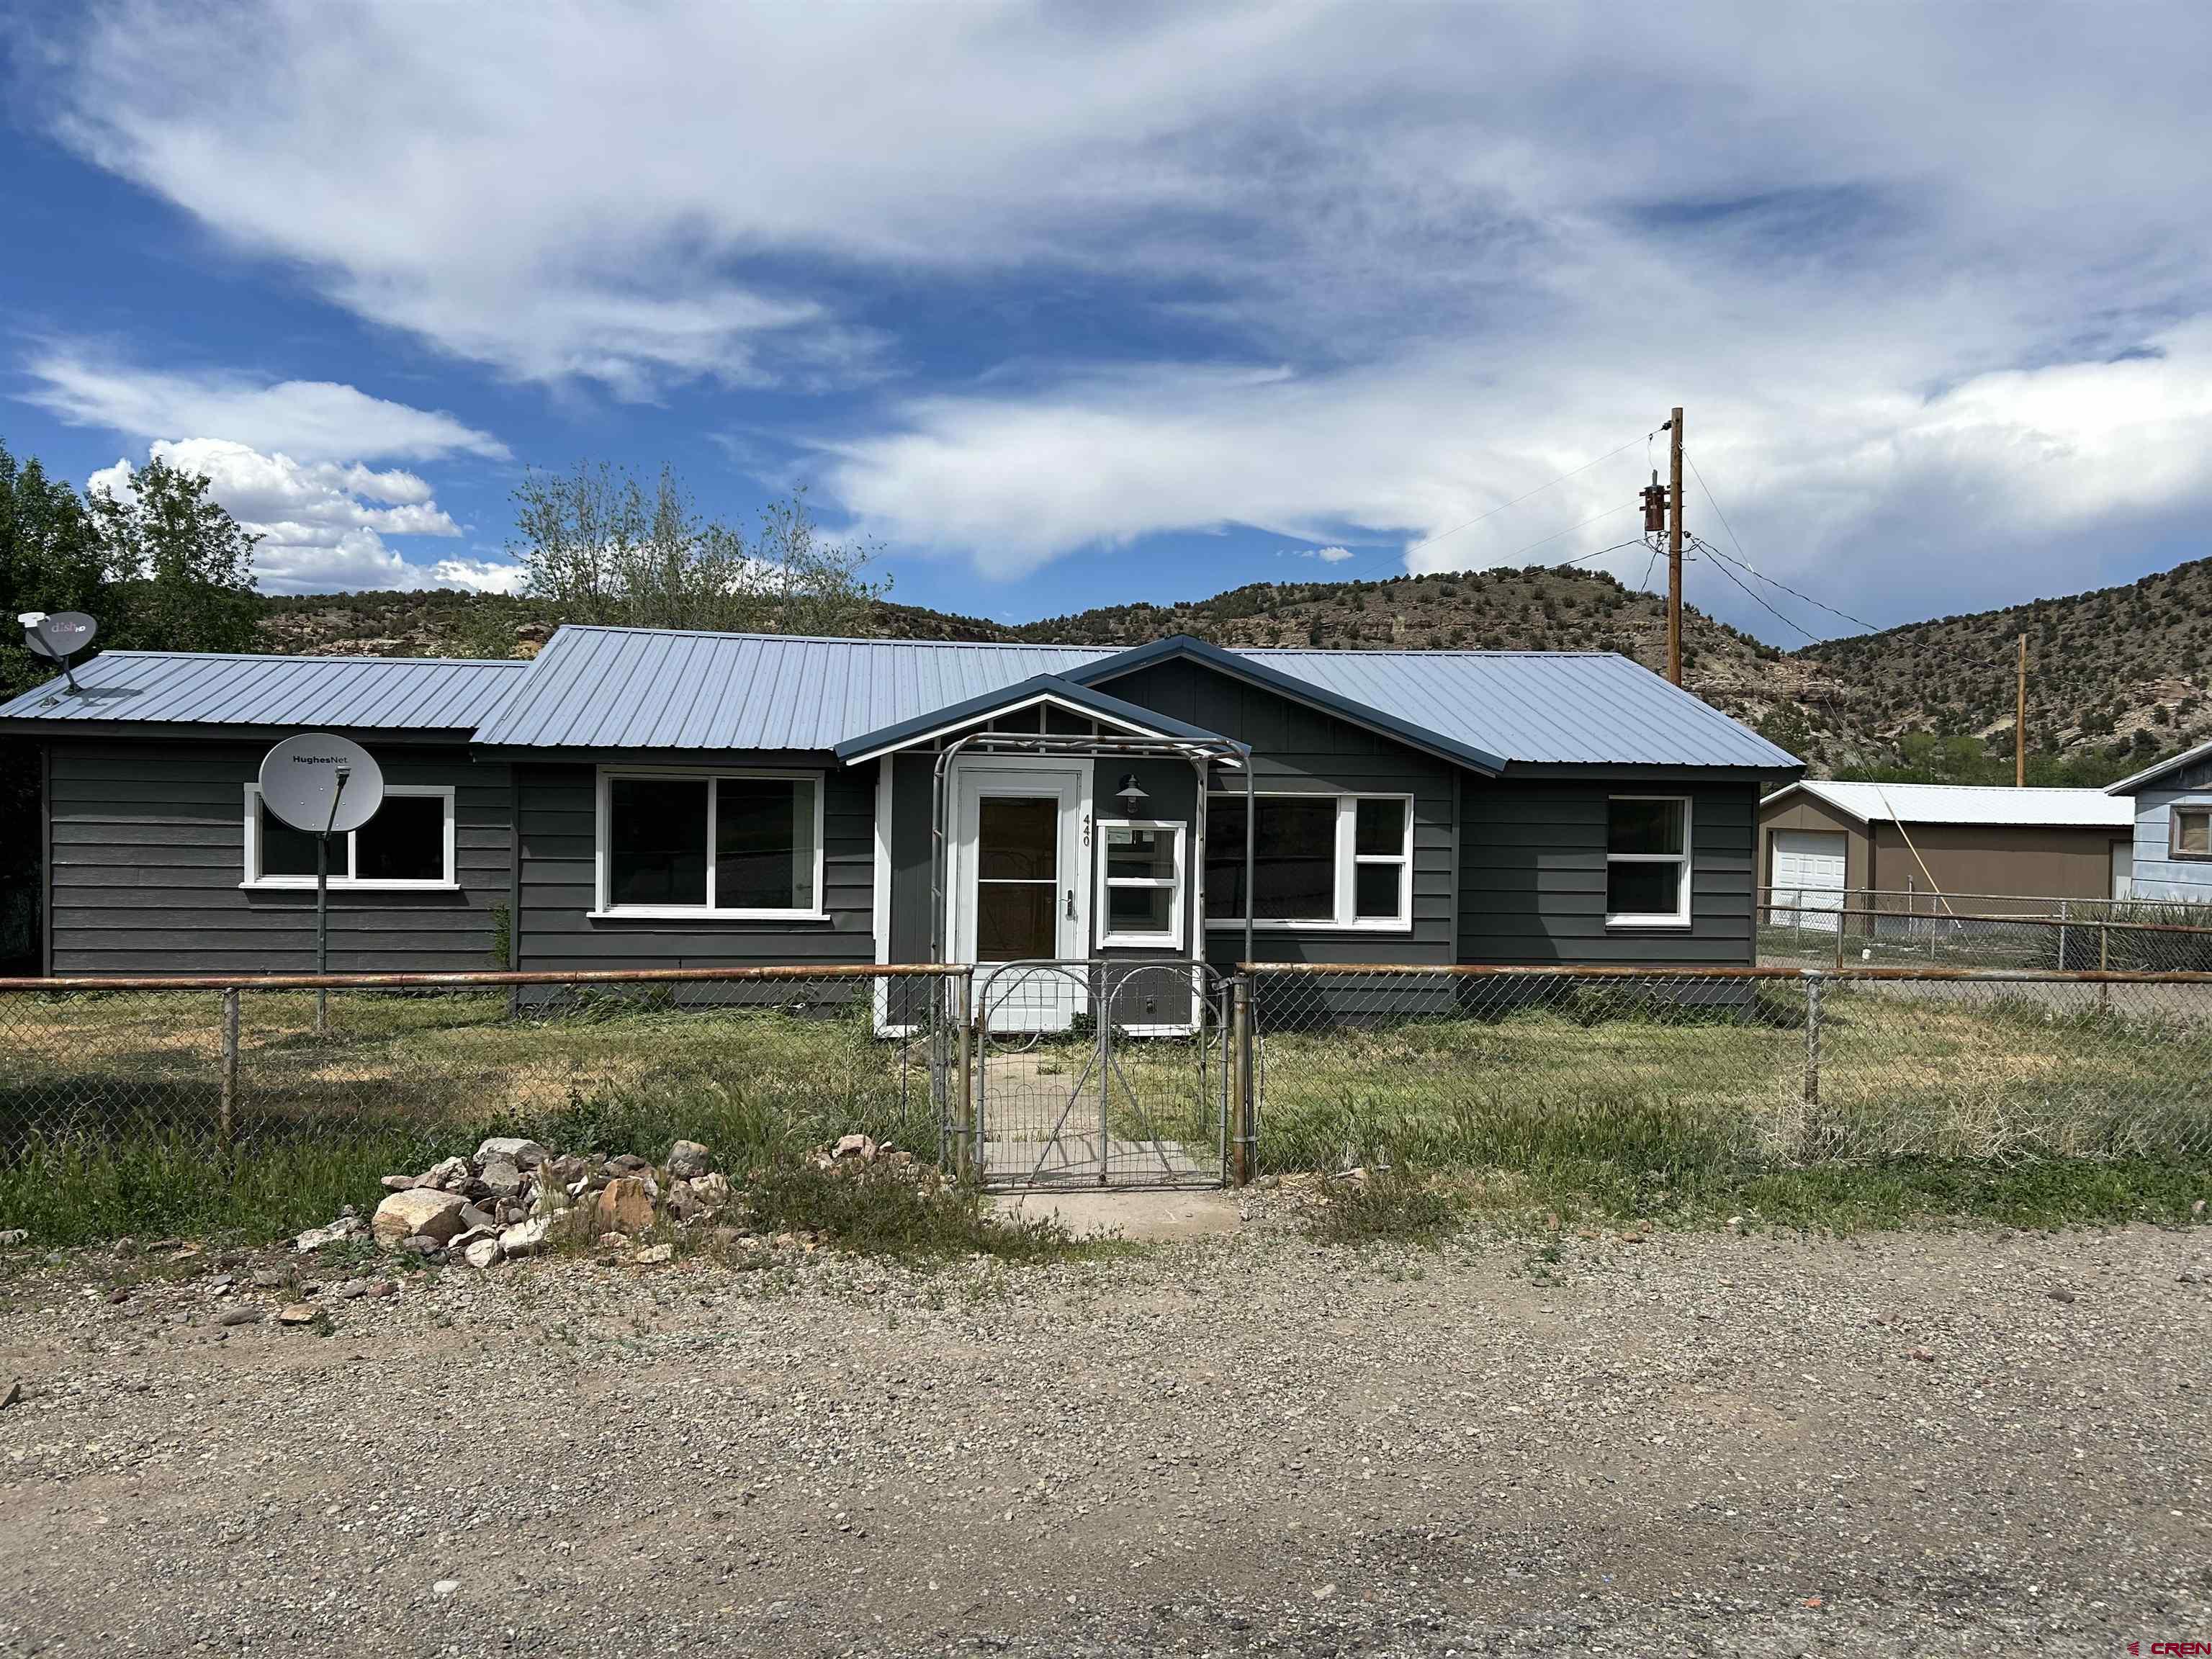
(1051,690)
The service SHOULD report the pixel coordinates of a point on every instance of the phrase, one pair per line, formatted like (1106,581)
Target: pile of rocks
(514,1196)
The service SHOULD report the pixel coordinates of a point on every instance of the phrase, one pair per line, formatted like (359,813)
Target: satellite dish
(321,783)
(61,634)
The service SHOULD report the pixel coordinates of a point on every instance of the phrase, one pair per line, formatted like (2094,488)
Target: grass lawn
(2043,1104)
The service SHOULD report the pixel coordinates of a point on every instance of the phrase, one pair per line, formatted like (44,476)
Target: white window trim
(1348,859)
(603,910)
(342,877)
(1170,940)
(1679,918)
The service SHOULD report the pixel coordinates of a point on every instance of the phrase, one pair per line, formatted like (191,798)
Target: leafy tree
(599,547)
(51,559)
(182,566)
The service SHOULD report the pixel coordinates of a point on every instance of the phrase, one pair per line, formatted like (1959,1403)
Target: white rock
(444,1587)
(446,1174)
(713,1191)
(526,1239)
(859,1146)
(433,1215)
(687,1158)
(484,1253)
(315,1238)
(528,1154)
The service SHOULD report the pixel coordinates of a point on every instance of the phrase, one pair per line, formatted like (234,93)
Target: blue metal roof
(1539,708)
(651,689)
(615,688)
(639,688)
(193,689)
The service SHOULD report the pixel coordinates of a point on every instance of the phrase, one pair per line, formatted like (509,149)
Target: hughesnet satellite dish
(322,784)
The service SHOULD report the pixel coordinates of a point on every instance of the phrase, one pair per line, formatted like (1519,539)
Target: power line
(1720,563)
(1744,563)
(1609,511)
(1723,560)
(1431,541)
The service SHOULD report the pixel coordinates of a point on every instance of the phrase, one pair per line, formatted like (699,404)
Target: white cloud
(311,420)
(1326,554)
(322,524)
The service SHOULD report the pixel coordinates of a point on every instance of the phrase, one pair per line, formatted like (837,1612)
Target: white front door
(1808,879)
(2123,869)
(1020,887)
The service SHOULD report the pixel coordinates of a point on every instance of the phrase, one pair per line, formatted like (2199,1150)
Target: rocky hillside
(2117,675)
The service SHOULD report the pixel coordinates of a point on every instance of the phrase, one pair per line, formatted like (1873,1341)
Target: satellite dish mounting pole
(322,904)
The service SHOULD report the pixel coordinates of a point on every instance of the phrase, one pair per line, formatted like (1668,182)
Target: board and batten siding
(1297,748)
(148,845)
(1533,882)
(559,818)
(2158,875)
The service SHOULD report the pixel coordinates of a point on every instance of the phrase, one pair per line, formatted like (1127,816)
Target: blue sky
(1064,307)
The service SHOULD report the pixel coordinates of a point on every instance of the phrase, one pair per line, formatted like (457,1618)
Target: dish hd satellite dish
(320,783)
(58,637)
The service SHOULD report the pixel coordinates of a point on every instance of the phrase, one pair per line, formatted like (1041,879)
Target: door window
(1017,878)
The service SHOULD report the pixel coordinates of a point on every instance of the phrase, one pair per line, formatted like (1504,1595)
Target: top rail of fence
(1923,903)
(489,978)
(2091,922)
(1648,971)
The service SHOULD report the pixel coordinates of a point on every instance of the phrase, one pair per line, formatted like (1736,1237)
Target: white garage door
(1808,879)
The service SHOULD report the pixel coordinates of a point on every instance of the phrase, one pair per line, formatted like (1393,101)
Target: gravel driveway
(1905,1444)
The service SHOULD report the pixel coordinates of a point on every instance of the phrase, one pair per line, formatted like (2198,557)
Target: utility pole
(1674,552)
(2020,721)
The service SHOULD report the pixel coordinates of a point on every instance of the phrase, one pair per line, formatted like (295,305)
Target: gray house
(638,797)
(2173,828)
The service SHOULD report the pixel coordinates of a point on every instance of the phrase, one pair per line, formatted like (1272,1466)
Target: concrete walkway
(1139,1216)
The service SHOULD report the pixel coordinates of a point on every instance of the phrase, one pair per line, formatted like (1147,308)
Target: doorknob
(1071,904)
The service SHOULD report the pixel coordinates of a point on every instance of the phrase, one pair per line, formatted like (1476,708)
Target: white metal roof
(1946,803)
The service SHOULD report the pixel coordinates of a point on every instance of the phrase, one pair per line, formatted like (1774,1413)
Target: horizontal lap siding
(149,849)
(2158,874)
(1533,886)
(560,812)
(1297,747)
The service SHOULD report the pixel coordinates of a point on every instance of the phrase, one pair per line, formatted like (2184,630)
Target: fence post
(1812,1038)
(2104,955)
(963,1097)
(1242,1116)
(226,1105)
(2063,915)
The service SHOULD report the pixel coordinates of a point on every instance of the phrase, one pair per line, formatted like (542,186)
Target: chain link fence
(123,1088)
(1505,1067)
(1841,929)
(130,1104)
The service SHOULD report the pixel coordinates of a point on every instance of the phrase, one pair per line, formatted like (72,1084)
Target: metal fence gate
(1100,1074)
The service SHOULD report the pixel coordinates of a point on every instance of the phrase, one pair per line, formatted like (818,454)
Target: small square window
(2192,832)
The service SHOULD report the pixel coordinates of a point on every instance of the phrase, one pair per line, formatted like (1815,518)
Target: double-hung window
(1140,882)
(408,845)
(742,846)
(1647,861)
(2192,831)
(1336,861)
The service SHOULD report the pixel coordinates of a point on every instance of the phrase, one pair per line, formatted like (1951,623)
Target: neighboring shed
(1823,839)
(2171,807)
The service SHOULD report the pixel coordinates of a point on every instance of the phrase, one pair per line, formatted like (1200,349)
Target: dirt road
(1702,1444)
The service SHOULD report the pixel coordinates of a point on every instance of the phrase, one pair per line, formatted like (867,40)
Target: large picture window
(732,844)
(1647,861)
(1339,861)
(408,844)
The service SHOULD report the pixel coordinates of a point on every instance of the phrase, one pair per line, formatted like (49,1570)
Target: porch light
(1129,795)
